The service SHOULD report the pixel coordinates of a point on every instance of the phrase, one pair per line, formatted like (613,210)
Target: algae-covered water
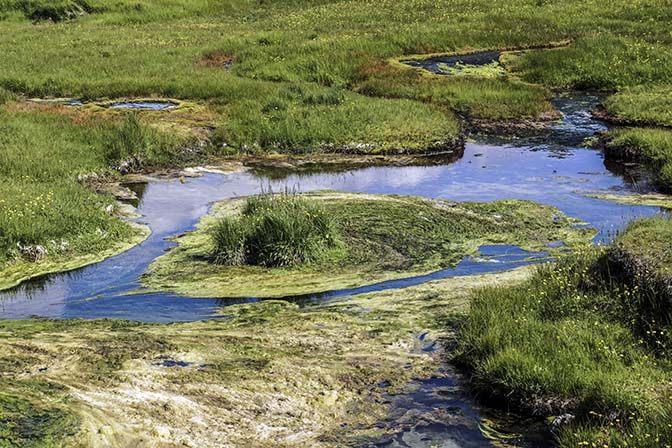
(554,169)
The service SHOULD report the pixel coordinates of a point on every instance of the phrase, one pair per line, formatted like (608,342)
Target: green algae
(648,199)
(492,70)
(270,374)
(384,237)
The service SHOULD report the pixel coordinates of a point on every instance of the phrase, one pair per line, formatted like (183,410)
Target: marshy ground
(424,115)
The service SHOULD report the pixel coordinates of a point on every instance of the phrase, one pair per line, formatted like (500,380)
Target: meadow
(308,77)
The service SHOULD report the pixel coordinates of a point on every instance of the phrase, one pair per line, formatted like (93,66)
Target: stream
(554,169)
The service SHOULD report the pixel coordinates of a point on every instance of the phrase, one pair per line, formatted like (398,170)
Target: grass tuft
(275,231)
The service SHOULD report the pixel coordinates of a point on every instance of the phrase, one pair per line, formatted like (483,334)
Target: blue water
(143,105)
(553,169)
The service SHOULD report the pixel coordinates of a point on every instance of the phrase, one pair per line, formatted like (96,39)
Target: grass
(494,99)
(650,146)
(382,238)
(642,106)
(43,204)
(588,336)
(281,230)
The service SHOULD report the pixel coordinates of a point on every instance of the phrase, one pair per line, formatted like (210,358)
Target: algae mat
(268,375)
(384,237)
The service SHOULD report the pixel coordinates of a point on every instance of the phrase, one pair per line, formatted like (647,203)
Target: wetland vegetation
(94,93)
(349,240)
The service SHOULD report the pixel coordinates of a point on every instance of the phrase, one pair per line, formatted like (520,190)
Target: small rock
(561,420)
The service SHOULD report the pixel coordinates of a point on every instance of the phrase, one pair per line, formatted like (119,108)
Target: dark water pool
(439,63)
(554,169)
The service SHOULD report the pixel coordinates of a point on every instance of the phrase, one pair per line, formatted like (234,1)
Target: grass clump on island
(282,230)
(356,240)
(590,336)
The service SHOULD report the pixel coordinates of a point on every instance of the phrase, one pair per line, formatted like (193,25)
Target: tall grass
(135,145)
(579,337)
(280,230)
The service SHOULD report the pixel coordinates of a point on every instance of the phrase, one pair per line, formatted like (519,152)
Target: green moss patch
(384,237)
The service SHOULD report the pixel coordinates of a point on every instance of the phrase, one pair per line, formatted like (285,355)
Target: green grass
(382,238)
(492,99)
(650,146)
(602,61)
(642,106)
(588,336)
(42,202)
(149,48)
(275,230)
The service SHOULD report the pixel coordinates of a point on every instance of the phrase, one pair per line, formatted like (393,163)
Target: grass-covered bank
(652,147)
(587,337)
(50,217)
(380,238)
(269,375)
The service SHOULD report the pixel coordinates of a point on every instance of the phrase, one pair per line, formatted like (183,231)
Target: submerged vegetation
(588,338)
(307,373)
(379,238)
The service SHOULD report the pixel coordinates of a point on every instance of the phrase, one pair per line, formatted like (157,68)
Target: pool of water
(440,64)
(553,169)
(143,105)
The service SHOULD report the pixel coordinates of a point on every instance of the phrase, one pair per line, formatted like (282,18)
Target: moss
(306,372)
(33,414)
(385,237)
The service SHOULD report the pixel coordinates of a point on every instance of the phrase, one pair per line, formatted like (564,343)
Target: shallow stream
(554,169)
